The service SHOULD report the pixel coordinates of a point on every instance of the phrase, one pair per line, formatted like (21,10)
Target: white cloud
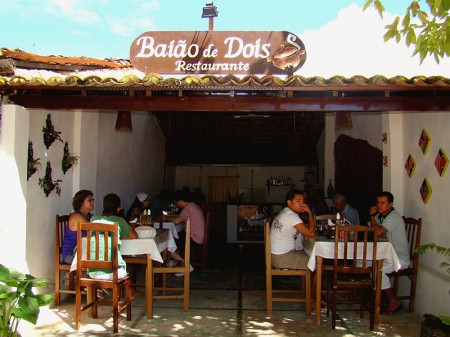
(77,11)
(353,45)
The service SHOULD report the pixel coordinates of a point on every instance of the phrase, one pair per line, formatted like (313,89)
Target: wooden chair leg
(308,293)
(269,293)
(57,294)
(412,293)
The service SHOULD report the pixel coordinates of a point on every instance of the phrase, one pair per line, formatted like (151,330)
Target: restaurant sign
(218,52)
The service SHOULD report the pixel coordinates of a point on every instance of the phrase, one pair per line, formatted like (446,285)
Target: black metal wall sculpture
(47,184)
(33,164)
(68,159)
(50,134)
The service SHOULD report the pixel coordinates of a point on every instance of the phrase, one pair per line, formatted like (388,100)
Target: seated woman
(83,204)
(141,202)
(111,207)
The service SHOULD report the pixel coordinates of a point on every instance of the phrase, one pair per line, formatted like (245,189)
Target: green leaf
(367,4)
(44,299)
(406,20)
(19,313)
(445,319)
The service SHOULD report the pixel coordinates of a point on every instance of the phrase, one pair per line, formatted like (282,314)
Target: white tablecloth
(168,225)
(323,247)
(153,246)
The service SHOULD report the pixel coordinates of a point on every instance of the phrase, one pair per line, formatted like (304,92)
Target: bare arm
(74,219)
(380,230)
(308,230)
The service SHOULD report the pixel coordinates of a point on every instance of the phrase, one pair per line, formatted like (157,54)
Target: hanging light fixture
(123,122)
(210,11)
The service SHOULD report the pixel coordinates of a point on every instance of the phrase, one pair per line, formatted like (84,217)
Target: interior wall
(129,163)
(249,177)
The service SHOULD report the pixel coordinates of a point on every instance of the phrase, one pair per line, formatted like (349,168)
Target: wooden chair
(200,252)
(101,237)
(62,269)
(352,269)
(295,296)
(413,229)
(165,292)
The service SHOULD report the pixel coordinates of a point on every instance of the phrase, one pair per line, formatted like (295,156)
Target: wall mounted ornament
(47,184)
(49,132)
(441,162)
(68,159)
(32,164)
(410,165)
(425,191)
(424,141)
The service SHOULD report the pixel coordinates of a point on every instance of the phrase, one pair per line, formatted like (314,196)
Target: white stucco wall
(129,163)
(433,292)
(28,226)
(403,131)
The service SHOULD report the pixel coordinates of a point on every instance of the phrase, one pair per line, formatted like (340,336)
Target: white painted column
(13,182)
(392,125)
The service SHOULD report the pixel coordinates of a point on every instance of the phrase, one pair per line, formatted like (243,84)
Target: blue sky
(106,28)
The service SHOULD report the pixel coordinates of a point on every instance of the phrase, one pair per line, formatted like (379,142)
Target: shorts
(294,259)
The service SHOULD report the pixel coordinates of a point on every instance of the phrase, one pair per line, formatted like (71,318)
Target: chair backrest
(267,246)
(207,228)
(351,253)
(101,249)
(187,244)
(413,228)
(62,221)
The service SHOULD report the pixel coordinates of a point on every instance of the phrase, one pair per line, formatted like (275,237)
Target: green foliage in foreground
(428,30)
(18,301)
(444,265)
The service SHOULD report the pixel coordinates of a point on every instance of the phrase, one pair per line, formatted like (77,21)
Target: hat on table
(142,196)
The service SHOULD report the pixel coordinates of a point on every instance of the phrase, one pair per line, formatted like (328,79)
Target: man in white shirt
(285,227)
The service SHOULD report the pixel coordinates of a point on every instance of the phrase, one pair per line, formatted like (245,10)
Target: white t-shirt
(283,232)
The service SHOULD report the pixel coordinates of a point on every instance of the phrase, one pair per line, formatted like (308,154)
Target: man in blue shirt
(391,225)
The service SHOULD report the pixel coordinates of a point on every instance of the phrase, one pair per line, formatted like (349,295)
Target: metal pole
(211,24)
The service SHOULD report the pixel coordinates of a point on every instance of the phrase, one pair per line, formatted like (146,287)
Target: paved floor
(225,301)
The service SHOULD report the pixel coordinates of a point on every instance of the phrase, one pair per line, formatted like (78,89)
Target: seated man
(346,210)
(285,227)
(390,224)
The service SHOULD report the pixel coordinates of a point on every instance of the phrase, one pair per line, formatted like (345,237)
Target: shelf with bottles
(279,181)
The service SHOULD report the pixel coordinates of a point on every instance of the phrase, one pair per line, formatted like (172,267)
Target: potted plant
(434,326)
(47,184)
(68,159)
(33,164)
(18,301)
(49,132)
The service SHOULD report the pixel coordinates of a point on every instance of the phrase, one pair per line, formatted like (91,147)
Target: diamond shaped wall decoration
(425,191)
(441,162)
(410,165)
(424,141)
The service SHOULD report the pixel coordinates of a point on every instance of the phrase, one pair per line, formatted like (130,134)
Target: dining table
(320,248)
(174,229)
